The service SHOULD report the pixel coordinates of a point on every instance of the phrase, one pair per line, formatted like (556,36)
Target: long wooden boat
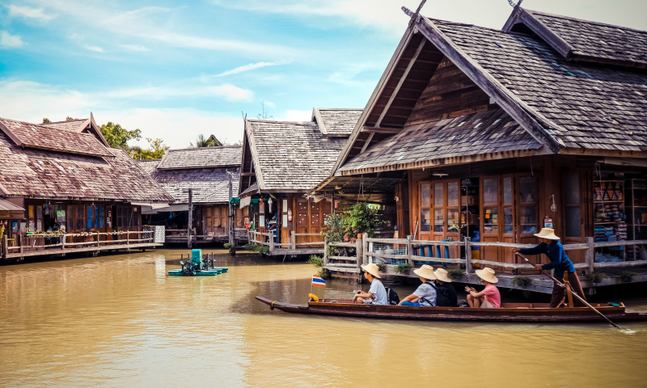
(510,312)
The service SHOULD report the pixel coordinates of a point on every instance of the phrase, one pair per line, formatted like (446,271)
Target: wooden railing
(416,252)
(50,242)
(294,243)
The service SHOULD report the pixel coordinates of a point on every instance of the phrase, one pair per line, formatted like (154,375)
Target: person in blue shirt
(560,263)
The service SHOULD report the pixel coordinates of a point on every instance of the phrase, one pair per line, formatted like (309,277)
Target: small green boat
(207,272)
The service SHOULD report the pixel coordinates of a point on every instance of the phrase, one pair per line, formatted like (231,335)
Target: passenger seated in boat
(490,296)
(425,294)
(445,292)
(376,293)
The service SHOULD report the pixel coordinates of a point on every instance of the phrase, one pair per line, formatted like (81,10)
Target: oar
(587,304)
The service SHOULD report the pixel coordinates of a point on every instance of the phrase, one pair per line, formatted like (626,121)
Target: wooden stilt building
(494,134)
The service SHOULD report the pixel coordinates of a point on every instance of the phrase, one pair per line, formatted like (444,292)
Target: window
(439,207)
(508,195)
(425,205)
(453,209)
(528,204)
(571,186)
(490,205)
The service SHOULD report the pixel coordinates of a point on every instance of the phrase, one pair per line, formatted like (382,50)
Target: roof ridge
(65,121)
(199,148)
(344,109)
(281,121)
(532,11)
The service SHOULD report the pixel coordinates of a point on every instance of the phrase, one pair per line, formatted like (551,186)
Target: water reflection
(119,321)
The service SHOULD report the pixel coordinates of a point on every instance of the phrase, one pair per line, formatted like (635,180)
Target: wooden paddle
(587,304)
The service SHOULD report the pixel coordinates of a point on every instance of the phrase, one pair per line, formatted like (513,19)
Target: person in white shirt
(425,294)
(377,293)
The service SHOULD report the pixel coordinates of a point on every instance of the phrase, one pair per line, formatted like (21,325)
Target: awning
(9,206)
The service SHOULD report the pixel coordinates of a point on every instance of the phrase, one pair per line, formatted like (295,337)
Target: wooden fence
(298,243)
(411,253)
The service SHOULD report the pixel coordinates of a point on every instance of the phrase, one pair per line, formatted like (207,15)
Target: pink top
(492,295)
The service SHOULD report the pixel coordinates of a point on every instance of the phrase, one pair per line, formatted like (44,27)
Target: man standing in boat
(377,293)
(561,264)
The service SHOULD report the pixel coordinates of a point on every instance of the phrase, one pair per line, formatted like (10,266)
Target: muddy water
(119,321)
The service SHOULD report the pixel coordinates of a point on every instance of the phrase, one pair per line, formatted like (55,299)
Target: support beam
(394,94)
(387,131)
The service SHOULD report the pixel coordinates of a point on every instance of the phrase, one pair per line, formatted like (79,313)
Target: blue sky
(178,69)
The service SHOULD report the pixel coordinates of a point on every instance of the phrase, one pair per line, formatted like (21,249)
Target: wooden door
(574,207)
(508,224)
(424,204)
(490,193)
(301,218)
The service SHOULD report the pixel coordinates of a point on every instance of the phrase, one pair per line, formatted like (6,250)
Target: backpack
(444,296)
(392,296)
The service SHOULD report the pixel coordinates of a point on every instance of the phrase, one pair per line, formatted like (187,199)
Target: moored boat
(509,312)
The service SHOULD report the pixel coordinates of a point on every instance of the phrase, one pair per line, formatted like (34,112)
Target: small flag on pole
(318,281)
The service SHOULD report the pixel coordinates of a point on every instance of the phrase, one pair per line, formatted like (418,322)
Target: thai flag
(318,281)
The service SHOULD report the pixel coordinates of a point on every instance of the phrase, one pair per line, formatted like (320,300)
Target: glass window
(439,220)
(490,219)
(425,220)
(490,188)
(439,198)
(453,220)
(527,190)
(507,220)
(528,219)
(452,194)
(425,195)
(507,190)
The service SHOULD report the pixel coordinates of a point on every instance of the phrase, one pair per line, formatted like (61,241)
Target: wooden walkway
(61,251)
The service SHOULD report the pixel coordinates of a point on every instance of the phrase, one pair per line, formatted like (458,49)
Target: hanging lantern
(269,203)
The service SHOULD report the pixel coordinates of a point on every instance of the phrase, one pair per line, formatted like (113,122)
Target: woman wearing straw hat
(561,264)
(425,294)
(445,292)
(376,293)
(490,296)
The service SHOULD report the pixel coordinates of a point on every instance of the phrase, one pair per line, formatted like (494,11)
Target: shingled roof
(67,175)
(203,157)
(36,136)
(335,121)
(567,102)
(290,156)
(75,125)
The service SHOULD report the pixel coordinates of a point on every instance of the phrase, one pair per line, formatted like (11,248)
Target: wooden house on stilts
(200,180)
(63,190)
(282,161)
(494,134)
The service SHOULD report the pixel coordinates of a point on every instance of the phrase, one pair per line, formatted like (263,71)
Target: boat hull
(518,313)
(210,272)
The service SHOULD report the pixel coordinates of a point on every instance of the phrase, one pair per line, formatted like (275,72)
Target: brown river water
(120,321)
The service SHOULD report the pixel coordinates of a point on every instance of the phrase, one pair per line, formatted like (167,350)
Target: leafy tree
(46,120)
(155,151)
(69,118)
(118,137)
(211,141)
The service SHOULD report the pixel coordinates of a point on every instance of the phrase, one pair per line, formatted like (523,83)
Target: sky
(179,69)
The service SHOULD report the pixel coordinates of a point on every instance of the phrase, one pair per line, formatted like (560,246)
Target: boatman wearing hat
(560,263)
(425,294)
(377,293)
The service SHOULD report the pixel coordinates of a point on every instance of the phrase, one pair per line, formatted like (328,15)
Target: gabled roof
(210,186)
(36,136)
(38,173)
(583,40)
(336,121)
(203,157)
(566,106)
(290,156)
(80,125)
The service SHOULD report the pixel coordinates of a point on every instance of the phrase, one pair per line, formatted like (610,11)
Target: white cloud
(95,49)
(135,47)
(28,12)
(10,41)
(246,68)
(232,92)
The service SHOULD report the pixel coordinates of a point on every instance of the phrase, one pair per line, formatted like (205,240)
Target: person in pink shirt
(490,297)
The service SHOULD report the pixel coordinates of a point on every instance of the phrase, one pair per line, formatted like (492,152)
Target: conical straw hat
(487,274)
(442,275)
(547,233)
(426,271)
(373,269)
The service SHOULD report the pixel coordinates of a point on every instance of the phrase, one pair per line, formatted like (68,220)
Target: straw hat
(373,269)
(442,275)
(487,274)
(547,233)
(426,271)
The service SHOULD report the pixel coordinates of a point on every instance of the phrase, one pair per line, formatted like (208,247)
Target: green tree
(46,120)
(155,151)
(211,141)
(118,137)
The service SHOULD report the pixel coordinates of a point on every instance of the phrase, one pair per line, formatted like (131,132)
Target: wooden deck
(295,246)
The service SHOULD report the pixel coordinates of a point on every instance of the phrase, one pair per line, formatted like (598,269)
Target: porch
(44,244)
(297,244)
(397,257)
(221,235)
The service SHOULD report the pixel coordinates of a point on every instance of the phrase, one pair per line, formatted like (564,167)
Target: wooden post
(63,238)
(366,248)
(98,238)
(5,246)
(19,239)
(293,240)
(409,251)
(325,255)
(359,251)
(270,237)
(590,255)
(190,221)
(468,255)
(128,237)
(232,215)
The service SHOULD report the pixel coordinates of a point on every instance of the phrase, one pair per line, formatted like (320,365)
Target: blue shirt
(558,258)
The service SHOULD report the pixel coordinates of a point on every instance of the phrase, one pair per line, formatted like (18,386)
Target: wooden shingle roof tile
(203,157)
